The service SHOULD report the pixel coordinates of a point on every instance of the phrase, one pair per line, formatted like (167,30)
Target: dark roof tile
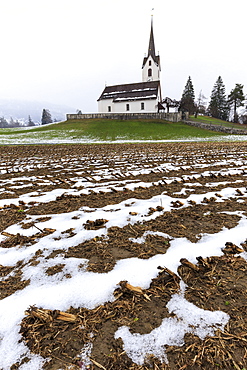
(133,91)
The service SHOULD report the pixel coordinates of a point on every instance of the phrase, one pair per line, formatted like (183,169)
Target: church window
(109,108)
(127,107)
(150,72)
(150,62)
(142,106)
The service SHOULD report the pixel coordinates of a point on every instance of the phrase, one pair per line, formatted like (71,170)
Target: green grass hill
(97,130)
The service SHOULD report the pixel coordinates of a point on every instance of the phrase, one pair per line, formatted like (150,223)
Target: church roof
(134,91)
(151,48)
(156,60)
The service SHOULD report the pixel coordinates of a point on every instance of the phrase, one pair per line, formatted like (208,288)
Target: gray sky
(65,51)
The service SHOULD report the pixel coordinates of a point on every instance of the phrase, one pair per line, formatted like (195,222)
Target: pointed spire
(151,47)
(151,69)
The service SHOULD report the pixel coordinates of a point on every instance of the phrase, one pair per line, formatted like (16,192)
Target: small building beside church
(141,97)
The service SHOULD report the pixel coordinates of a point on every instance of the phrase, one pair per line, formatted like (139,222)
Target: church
(141,97)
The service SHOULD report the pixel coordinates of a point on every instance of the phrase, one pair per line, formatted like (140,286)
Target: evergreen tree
(46,117)
(218,107)
(30,122)
(236,99)
(243,119)
(187,103)
(3,122)
(11,122)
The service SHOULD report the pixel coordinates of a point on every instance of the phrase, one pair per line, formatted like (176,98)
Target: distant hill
(21,109)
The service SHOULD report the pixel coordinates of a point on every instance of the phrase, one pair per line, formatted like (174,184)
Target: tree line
(220,106)
(4,123)
(45,119)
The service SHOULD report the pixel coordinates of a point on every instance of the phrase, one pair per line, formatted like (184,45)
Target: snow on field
(90,289)
(60,137)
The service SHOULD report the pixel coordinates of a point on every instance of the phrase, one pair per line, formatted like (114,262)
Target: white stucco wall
(103,105)
(155,71)
(150,106)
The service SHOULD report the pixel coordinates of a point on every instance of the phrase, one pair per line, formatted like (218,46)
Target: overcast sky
(65,51)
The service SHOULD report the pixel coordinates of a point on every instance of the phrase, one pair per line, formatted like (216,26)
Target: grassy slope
(215,121)
(112,129)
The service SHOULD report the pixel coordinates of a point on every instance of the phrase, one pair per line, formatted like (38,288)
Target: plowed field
(123,256)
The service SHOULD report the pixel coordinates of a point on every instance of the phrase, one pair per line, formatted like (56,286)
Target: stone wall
(217,128)
(172,117)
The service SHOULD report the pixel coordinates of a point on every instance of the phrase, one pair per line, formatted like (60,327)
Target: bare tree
(200,104)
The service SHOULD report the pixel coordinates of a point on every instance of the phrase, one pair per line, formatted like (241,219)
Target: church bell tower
(151,63)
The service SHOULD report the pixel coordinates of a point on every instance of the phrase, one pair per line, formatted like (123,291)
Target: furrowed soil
(108,172)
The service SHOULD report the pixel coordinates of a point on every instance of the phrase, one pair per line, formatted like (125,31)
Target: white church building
(142,97)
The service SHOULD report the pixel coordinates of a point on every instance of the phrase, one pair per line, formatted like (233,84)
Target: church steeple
(151,62)
(151,47)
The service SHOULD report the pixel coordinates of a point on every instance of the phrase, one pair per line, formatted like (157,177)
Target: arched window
(150,72)
(150,63)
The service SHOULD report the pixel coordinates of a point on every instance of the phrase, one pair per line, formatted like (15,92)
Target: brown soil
(218,283)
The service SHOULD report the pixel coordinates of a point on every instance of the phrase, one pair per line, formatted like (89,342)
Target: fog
(65,51)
